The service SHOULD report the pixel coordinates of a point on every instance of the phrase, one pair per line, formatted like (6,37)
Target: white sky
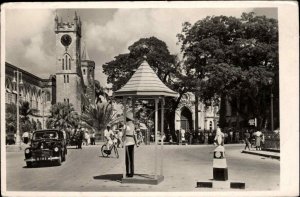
(30,37)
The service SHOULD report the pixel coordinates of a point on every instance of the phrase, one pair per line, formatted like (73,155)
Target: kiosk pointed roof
(145,83)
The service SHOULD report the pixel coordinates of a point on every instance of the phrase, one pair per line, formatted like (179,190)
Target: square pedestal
(220,174)
(143,179)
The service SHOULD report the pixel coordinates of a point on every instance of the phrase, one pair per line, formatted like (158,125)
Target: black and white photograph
(165,98)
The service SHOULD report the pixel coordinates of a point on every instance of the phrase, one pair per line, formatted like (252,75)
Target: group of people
(201,137)
(82,136)
(259,138)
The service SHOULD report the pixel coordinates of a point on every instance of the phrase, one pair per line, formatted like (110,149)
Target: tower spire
(75,17)
(56,17)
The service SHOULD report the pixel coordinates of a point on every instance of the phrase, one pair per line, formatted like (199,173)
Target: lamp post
(18,81)
(43,97)
(272,121)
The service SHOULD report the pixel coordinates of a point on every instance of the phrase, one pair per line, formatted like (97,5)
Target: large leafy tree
(237,56)
(167,67)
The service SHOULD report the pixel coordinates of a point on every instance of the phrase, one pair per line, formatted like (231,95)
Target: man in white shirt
(108,133)
(25,137)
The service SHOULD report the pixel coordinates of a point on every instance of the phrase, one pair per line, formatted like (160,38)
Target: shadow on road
(110,177)
(44,164)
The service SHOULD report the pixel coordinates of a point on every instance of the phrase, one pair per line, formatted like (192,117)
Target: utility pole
(18,82)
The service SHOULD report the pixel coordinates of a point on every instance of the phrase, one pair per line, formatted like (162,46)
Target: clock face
(66,40)
(218,154)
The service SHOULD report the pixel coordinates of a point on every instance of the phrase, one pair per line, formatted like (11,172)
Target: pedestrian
(119,137)
(247,142)
(210,137)
(226,137)
(87,137)
(80,138)
(263,140)
(231,135)
(130,139)
(257,135)
(177,133)
(25,137)
(182,134)
(93,138)
(237,137)
(191,133)
(205,137)
(202,137)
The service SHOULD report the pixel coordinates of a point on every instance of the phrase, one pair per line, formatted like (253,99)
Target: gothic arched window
(63,63)
(66,58)
(67,78)
(69,64)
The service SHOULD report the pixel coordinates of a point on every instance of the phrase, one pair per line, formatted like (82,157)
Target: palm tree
(62,116)
(25,112)
(97,116)
(11,117)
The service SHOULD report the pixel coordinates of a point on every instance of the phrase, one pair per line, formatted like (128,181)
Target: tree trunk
(237,113)
(196,113)
(222,121)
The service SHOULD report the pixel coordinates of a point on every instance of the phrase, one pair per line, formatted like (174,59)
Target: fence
(272,141)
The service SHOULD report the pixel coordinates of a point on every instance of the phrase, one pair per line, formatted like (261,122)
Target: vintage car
(46,145)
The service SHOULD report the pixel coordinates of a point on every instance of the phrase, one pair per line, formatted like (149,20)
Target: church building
(74,75)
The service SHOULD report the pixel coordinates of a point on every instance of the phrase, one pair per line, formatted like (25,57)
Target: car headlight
(27,151)
(56,149)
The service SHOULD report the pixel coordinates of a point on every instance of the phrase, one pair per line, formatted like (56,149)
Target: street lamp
(43,99)
(272,122)
(17,80)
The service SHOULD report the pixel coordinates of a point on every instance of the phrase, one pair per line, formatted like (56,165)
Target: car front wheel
(29,164)
(63,157)
(58,162)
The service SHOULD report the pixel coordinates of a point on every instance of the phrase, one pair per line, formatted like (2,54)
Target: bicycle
(112,147)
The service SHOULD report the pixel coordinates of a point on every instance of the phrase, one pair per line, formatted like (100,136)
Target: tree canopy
(62,116)
(237,56)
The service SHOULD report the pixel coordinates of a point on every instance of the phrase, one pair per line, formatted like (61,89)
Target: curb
(262,154)
(16,148)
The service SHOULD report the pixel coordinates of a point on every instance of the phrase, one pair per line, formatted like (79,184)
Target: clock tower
(69,82)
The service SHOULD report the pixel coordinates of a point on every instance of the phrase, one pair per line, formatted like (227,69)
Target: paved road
(86,170)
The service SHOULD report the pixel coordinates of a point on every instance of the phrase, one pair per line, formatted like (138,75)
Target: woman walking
(257,135)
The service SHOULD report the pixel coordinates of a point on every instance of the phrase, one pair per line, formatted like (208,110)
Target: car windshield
(45,135)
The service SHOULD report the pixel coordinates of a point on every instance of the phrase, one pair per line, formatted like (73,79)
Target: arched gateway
(186,121)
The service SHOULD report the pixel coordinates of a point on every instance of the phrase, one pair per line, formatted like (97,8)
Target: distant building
(74,75)
(208,116)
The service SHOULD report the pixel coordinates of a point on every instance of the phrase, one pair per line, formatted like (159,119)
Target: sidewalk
(16,148)
(271,154)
